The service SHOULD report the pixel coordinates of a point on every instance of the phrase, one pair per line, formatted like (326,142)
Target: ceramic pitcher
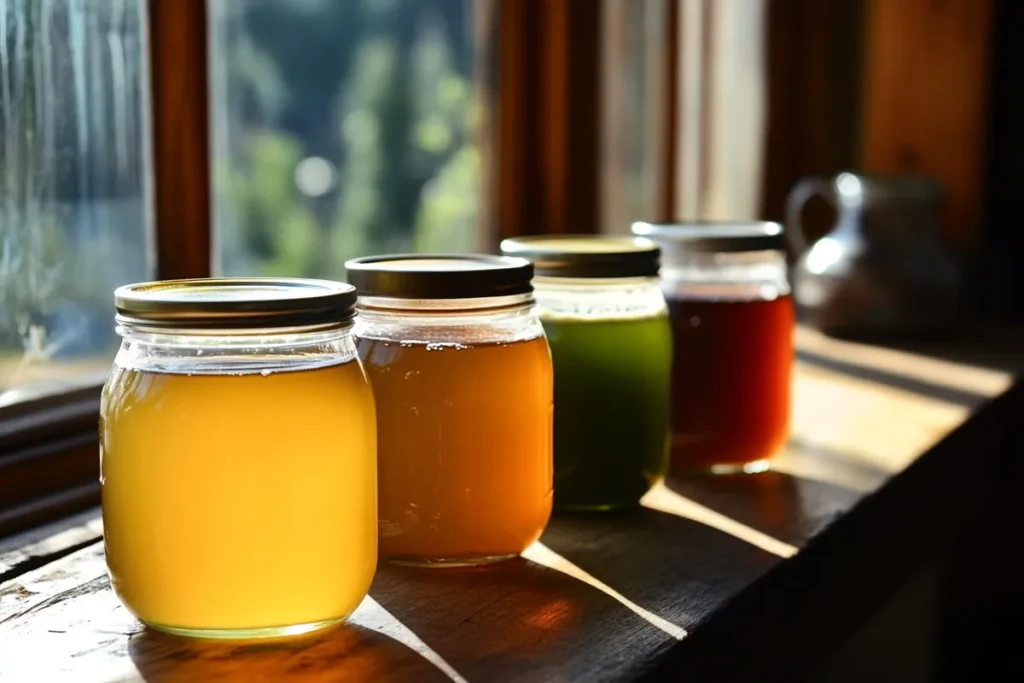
(883,268)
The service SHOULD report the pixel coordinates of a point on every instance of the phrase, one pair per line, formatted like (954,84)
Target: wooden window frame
(540,62)
(538,57)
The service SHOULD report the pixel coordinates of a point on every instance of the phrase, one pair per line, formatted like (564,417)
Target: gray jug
(883,269)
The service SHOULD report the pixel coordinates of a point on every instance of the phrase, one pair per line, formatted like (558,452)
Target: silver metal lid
(715,235)
(587,256)
(235,303)
(440,276)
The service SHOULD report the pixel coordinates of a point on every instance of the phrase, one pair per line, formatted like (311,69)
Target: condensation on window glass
(73,186)
(344,128)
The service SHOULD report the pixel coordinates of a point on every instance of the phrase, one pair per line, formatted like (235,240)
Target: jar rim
(250,303)
(369,306)
(440,276)
(587,256)
(714,236)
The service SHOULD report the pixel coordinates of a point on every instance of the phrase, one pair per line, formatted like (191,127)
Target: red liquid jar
(732,321)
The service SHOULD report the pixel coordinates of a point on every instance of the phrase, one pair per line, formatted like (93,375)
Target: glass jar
(732,321)
(611,344)
(462,376)
(238,457)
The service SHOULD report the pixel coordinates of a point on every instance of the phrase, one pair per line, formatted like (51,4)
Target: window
(342,129)
(279,137)
(633,105)
(73,195)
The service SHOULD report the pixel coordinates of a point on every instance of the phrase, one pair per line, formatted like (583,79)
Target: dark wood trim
(48,448)
(41,469)
(798,32)
(48,417)
(814,90)
(667,176)
(47,508)
(515,66)
(49,479)
(181,137)
(549,125)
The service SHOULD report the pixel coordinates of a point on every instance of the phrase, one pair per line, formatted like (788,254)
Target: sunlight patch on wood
(882,427)
(371,615)
(542,555)
(663,499)
(961,376)
(855,476)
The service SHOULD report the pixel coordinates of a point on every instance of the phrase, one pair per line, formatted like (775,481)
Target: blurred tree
(378,88)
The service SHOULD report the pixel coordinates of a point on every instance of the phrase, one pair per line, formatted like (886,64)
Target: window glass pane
(344,128)
(73,195)
(633,104)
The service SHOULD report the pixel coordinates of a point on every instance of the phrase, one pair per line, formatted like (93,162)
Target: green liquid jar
(611,345)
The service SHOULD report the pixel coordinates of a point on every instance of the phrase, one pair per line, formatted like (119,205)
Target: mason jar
(611,344)
(732,321)
(462,376)
(238,457)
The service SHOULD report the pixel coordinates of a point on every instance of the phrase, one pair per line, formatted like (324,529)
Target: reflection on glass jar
(462,376)
(238,457)
(732,321)
(611,344)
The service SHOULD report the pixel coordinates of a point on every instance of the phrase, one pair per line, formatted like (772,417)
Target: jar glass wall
(611,344)
(238,458)
(732,321)
(462,377)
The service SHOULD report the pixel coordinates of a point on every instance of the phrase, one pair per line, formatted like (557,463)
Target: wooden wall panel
(548,118)
(925,99)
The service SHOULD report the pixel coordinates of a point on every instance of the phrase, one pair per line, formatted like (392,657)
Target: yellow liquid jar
(238,457)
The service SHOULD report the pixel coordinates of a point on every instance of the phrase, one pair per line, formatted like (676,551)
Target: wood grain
(787,623)
(813,89)
(790,509)
(549,128)
(48,455)
(90,637)
(27,551)
(667,162)
(790,559)
(926,97)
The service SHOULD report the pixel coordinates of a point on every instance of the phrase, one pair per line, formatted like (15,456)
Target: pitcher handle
(803,191)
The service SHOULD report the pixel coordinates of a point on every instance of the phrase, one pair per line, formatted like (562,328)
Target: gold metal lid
(440,276)
(711,236)
(587,256)
(235,303)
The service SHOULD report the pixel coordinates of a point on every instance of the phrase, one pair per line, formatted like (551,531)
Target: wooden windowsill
(724,577)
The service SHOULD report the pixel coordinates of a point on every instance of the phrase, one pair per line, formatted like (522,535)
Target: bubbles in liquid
(265,372)
(441,346)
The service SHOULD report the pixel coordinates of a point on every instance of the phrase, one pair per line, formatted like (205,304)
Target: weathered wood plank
(521,618)
(26,551)
(785,507)
(68,611)
(788,622)
(605,597)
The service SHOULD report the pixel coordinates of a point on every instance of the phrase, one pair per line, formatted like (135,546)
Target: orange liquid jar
(238,458)
(463,382)
(732,324)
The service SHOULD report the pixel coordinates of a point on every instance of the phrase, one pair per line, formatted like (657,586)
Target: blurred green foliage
(381,90)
